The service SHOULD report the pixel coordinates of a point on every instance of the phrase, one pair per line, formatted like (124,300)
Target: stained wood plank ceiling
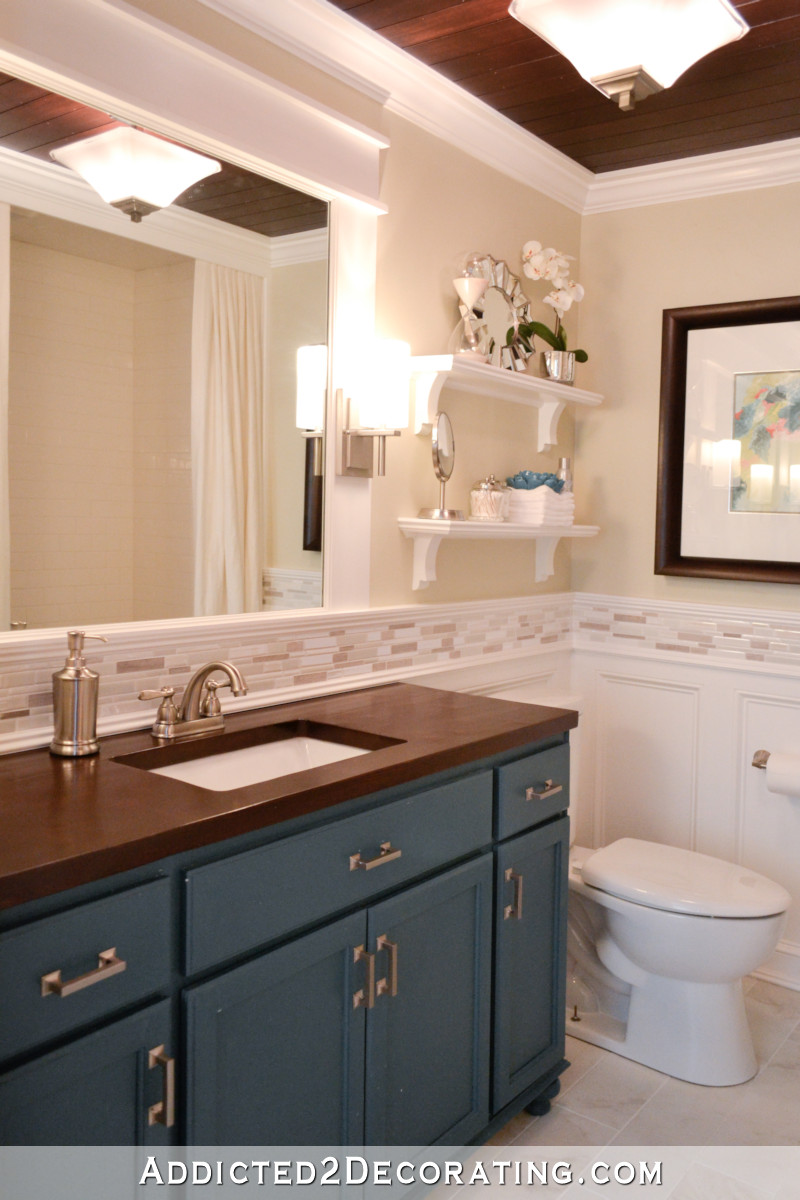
(745,94)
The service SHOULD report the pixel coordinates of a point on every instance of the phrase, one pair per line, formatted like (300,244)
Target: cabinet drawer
(532,790)
(67,970)
(242,902)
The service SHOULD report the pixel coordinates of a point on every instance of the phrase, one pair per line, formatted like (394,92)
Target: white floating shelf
(427,536)
(430,374)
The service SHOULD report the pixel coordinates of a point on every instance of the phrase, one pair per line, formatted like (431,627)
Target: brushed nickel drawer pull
(365,998)
(107,965)
(513,911)
(388,987)
(387,854)
(543,791)
(163,1112)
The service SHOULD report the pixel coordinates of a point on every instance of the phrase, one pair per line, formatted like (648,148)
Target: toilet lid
(682,881)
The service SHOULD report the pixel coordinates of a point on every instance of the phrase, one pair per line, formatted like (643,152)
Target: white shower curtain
(5,531)
(228,395)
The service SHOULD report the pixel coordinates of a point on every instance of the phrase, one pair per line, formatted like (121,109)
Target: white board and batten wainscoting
(674,700)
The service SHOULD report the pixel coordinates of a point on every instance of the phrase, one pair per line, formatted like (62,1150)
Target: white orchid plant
(550,265)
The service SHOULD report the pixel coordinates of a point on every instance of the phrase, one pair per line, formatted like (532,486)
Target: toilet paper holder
(760,759)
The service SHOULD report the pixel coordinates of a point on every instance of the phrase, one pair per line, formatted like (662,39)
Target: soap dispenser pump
(75,689)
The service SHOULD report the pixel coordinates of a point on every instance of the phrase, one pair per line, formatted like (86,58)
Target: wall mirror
(126,497)
(497,314)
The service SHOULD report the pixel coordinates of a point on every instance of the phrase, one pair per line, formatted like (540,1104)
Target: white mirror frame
(144,72)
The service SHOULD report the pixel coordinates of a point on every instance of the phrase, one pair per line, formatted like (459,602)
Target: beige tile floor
(607,1101)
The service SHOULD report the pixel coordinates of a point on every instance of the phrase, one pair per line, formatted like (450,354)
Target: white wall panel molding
(768,833)
(645,782)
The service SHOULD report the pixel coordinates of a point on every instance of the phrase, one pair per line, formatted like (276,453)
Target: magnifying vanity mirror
(443,451)
(130,495)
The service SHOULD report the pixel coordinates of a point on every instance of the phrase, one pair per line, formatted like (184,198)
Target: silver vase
(559,365)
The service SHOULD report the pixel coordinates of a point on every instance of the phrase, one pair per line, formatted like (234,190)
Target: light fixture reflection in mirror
(135,171)
(100,413)
(443,453)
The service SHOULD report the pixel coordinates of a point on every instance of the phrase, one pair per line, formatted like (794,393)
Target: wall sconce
(628,49)
(377,409)
(312,388)
(135,171)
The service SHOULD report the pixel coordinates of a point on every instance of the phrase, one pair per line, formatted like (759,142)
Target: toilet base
(693,1031)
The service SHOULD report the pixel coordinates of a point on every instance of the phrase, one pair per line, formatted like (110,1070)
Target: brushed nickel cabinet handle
(387,854)
(514,909)
(365,997)
(543,791)
(107,965)
(163,1112)
(388,987)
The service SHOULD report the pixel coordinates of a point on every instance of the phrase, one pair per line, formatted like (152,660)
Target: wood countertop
(65,822)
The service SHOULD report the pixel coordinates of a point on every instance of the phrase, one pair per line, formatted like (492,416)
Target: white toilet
(658,942)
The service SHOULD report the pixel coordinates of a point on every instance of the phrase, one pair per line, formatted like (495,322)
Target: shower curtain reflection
(229,379)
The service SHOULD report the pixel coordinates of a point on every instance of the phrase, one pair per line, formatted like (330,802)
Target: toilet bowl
(658,942)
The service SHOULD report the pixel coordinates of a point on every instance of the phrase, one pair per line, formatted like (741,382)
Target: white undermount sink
(257,764)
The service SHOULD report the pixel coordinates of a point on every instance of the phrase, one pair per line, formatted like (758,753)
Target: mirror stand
(443,450)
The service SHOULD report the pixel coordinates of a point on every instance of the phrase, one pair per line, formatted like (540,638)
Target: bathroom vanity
(368,951)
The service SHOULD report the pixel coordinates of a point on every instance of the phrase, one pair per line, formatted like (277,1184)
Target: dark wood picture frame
(677,325)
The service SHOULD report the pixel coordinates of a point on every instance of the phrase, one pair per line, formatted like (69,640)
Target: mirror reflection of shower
(443,453)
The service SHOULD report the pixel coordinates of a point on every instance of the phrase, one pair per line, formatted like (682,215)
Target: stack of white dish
(541,506)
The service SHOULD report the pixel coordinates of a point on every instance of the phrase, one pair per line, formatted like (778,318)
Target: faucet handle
(210,705)
(157,693)
(167,715)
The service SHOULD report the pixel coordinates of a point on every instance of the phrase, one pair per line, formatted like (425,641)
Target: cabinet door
(530,949)
(95,1091)
(428,1044)
(276,1046)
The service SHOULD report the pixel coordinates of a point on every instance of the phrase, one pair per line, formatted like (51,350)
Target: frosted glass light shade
(312,383)
(382,395)
(608,37)
(125,163)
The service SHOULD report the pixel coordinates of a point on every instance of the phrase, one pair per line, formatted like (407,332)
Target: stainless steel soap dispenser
(75,689)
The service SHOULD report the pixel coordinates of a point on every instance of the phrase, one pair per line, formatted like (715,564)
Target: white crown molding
(299,248)
(692,178)
(336,43)
(339,45)
(46,188)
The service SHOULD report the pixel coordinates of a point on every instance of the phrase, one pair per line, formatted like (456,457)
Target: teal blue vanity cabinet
(372,1029)
(384,967)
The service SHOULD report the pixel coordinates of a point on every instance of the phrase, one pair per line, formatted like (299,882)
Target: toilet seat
(681,881)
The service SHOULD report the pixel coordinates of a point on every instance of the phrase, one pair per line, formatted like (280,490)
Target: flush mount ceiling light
(133,170)
(629,49)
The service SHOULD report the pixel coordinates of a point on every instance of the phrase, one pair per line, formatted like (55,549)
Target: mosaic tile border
(717,635)
(283,656)
(286,656)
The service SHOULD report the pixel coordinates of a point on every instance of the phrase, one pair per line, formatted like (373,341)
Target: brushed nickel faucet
(200,711)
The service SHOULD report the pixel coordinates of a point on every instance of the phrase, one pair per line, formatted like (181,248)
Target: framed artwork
(728,501)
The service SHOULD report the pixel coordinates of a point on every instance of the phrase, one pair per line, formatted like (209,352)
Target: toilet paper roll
(783,774)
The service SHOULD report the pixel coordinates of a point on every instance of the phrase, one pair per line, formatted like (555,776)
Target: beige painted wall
(442,205)
(634,264)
